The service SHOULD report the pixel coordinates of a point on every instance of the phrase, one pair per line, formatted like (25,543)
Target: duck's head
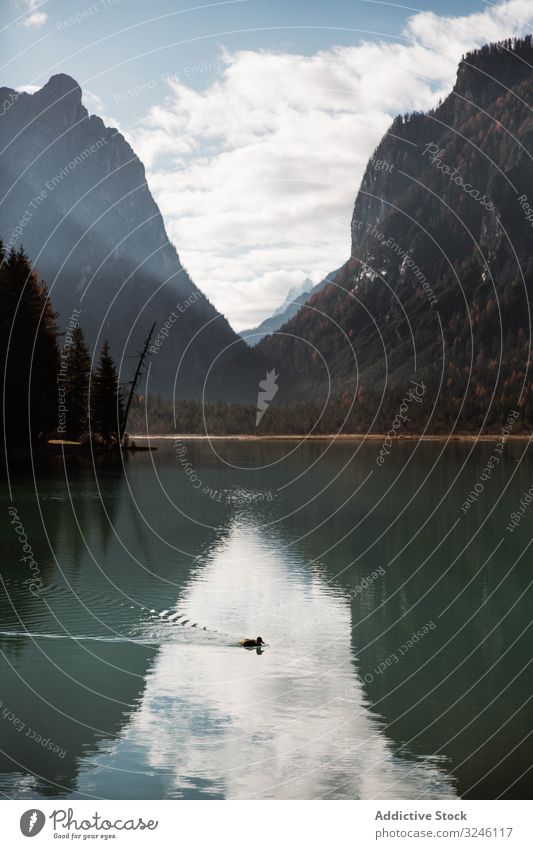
(259,641)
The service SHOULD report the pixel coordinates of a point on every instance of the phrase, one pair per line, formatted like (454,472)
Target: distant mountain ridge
(75,196)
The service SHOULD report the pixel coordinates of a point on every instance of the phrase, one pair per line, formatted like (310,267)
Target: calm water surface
(335,561)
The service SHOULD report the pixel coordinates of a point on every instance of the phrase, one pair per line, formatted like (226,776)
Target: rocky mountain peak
(60,100)
(78,201)
(494,68)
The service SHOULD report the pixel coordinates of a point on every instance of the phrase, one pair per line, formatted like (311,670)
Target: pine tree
(77,390)
(29,352)
(107,405)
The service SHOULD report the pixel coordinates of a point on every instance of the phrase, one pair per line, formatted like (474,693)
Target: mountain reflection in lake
(128,661)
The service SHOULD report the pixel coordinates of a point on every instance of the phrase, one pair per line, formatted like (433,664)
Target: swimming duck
(250,643)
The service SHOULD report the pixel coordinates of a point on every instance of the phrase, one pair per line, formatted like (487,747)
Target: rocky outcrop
(75,195)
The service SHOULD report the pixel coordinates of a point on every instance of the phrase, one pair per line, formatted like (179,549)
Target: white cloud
(35,19)
(256,174)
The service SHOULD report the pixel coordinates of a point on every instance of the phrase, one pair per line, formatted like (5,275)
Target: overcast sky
(254,119)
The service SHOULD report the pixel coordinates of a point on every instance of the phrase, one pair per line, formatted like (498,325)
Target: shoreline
(341,437)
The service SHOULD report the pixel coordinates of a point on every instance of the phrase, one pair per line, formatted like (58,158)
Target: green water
(335,561)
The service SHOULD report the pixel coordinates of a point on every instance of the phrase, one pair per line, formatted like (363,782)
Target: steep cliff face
(75,195)
(441,266)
